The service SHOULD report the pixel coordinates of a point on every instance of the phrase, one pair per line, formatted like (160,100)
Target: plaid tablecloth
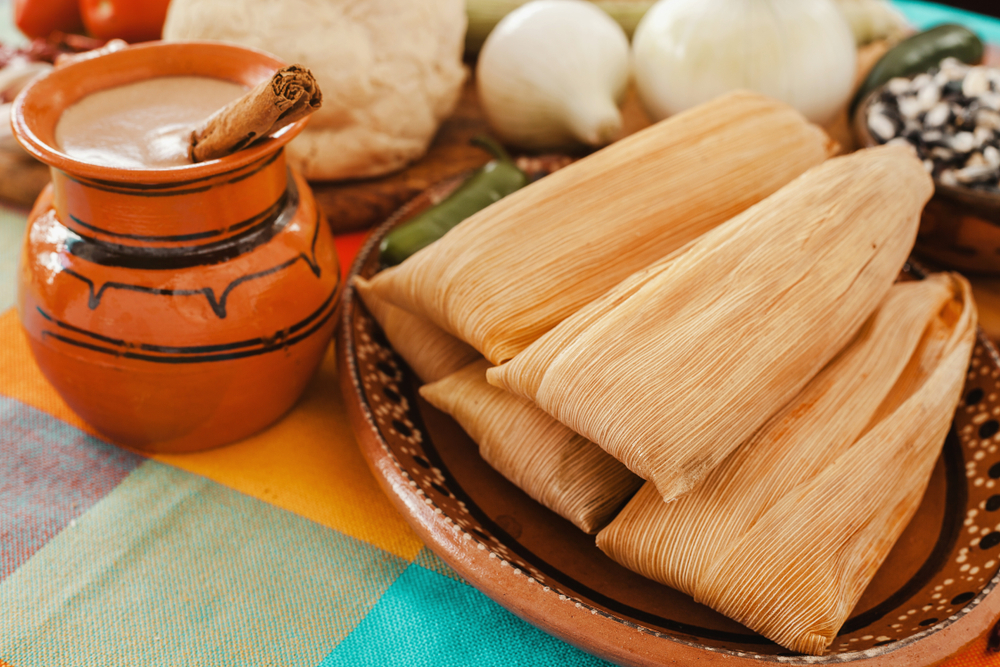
(277,550)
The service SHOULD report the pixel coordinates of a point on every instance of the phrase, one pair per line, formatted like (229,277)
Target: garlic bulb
(801,52)
(551,74)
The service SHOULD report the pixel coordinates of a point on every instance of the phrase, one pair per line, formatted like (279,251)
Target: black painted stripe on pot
(163,189)
(183,257)
(218,305)
(271,210)
(196,349)
(207,358)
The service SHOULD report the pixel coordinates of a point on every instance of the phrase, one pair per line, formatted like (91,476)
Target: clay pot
(173,309)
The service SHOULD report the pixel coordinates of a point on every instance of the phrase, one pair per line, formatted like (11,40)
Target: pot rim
(136,63)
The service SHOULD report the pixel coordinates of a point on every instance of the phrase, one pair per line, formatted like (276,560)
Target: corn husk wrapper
(429,351)
(508,274)
(800,570)
(669,377)
(675,543)
(560,469)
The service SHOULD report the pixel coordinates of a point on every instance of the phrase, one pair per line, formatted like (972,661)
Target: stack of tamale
(715,312)
(557,467)
(637,201)
(799,570)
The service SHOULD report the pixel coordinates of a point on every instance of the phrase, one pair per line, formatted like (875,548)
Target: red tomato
(39,18)
(131,20)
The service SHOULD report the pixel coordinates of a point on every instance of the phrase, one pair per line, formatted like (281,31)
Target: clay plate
(933,595)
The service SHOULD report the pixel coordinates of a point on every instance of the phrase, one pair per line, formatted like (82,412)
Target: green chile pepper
(920,53)
(497,179)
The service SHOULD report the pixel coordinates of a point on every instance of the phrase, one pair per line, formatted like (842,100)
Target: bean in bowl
(951,116)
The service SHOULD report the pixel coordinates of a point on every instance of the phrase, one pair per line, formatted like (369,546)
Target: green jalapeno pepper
(494,181)
(920,53)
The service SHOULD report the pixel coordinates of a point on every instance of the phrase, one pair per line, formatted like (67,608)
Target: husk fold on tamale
(429,351)
(670,375)
(508,274)
(678,543)
(560,469)
(675,543)
(798,572)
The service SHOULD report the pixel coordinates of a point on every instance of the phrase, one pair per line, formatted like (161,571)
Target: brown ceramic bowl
(932,597)
(960,227)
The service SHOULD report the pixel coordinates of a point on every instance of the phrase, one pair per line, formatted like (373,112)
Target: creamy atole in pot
(142,125)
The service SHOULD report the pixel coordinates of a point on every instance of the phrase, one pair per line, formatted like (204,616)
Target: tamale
(672,377)
(560,469)
(511,272)
(429,351)
(676,543)
(797,573)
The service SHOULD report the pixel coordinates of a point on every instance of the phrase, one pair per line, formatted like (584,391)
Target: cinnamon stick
(291,94)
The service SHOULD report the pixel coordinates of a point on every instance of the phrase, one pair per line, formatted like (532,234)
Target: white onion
(801,52)
(551,74)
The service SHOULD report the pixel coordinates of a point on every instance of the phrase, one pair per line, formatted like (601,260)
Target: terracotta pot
(173,309)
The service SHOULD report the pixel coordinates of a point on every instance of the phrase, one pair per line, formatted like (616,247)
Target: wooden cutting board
(353,205)
(21,177)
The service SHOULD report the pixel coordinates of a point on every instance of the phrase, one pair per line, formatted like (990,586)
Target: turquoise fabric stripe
(925,15)
(426,619)
(173,569)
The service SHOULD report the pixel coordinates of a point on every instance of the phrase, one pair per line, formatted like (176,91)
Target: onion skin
(801,52)
(551,76)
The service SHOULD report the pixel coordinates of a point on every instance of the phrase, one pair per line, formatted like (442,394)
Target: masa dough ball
(390,71)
